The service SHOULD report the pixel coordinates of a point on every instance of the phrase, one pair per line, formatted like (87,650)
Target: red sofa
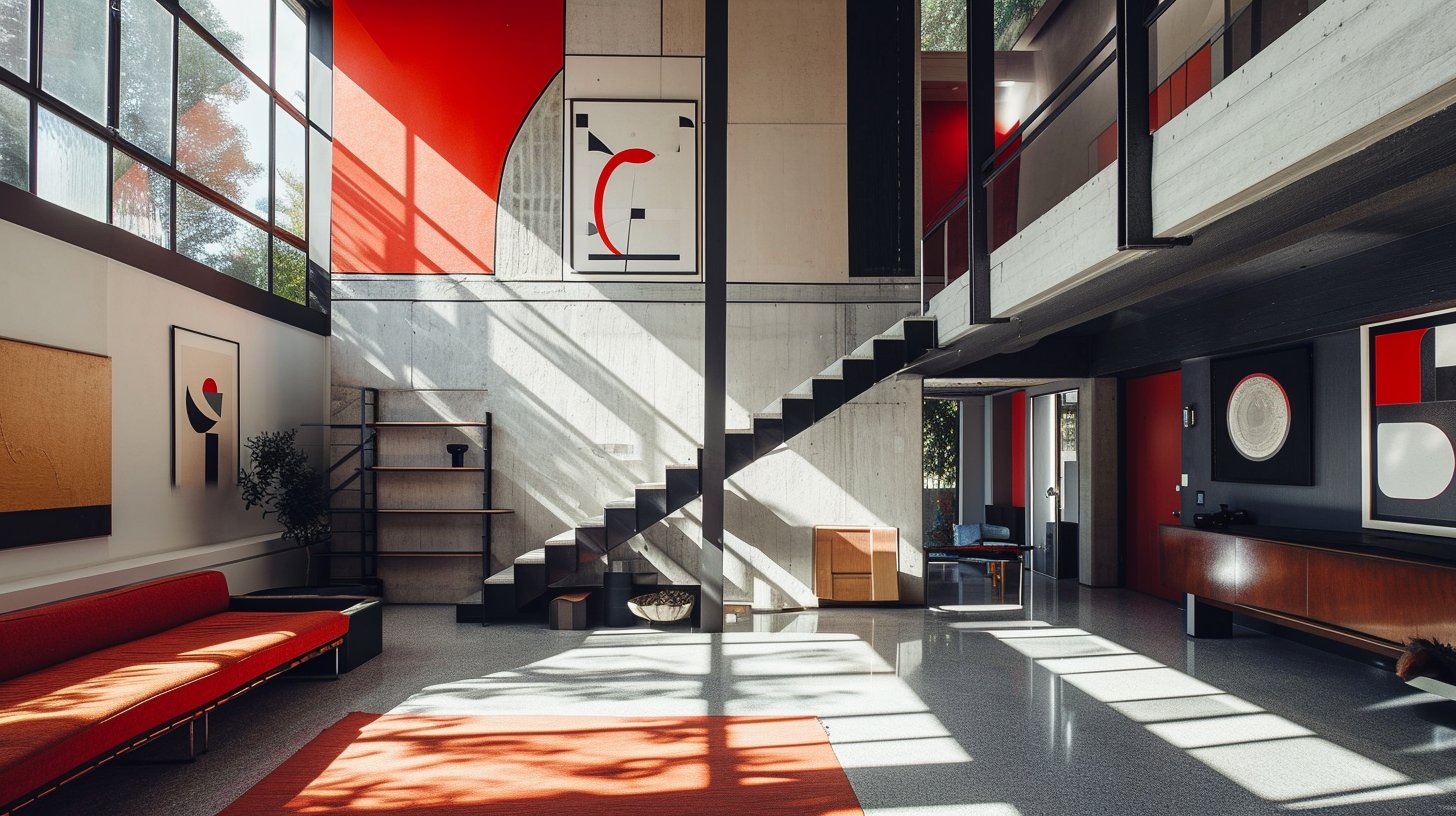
(85,680)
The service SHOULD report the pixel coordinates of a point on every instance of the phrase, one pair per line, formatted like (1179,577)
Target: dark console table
(1361,590)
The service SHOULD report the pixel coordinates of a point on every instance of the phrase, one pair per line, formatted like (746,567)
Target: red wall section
(1153,444)
(944,154)
(427,99)
(1018,449)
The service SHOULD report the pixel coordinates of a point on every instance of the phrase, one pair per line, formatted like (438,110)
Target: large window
(184,123)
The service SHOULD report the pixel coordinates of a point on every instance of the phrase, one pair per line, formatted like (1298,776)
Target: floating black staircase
(562,562)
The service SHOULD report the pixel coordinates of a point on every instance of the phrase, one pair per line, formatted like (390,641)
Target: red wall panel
(943,137)
(1153,441)
(1018,449)
(1200,74)
(428,97)
(1178,90)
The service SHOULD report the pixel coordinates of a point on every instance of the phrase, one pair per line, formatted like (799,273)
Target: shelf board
(449,511)
(407,553)
(392,468)
(429,424)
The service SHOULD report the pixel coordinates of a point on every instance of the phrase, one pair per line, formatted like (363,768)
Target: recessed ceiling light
(1005,83)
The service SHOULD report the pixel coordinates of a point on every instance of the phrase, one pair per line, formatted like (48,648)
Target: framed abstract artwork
(1408,412)
(204,409)
(634,187)
(55,422)
(1263,418)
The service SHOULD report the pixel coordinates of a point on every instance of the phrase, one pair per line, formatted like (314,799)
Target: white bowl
(661,613)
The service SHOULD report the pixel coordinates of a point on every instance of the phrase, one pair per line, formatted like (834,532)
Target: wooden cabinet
(856,563)
(1374,599)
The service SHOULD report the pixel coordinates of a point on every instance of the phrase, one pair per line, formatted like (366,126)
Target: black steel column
(715,311)
(1134,136)
(981,141)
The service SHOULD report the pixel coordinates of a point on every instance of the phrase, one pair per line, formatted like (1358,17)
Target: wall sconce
(1190,416)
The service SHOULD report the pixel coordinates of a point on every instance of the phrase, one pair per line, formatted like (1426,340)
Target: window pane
(222,124)
(210,235)
(290,272)
(15,37)
(240,25)
(291,60)
(290,207)
(14,139)
(70,166)
(74,53)
(146,77)
(141,199)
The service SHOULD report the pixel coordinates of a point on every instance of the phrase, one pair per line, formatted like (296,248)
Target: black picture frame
(1294,463)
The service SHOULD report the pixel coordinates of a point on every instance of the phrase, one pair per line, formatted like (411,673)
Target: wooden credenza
(856,563)
(1358,594)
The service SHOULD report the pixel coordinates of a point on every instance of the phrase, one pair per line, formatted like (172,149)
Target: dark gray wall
(1333,502)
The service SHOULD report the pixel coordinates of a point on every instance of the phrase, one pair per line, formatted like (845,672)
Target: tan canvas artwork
(204,410)
(55,444)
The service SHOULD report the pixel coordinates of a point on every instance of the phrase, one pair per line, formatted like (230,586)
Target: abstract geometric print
(204,409)
(1410,406)
(634,187)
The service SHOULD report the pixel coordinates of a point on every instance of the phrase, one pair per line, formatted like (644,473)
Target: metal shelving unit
(364,459)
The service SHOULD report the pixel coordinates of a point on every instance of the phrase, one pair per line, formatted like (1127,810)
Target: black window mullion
(35,42)
(176,114)
(272,139)
(34,144)
(113,68)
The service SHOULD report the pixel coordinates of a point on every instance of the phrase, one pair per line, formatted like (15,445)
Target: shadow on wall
(593,397)
(428,98)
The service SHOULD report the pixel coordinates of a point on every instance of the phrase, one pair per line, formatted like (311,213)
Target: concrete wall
(597,387)
(1349,74)
(60,295)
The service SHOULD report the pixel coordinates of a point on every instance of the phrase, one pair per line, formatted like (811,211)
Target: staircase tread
(505,576)
(536,556)
(622,503)
(594,521)
(652,486)
(566,539)
(682,467)
(743,431)
(768,416)
(826,377)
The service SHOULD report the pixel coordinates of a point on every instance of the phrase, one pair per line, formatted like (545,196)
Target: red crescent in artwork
(634,155)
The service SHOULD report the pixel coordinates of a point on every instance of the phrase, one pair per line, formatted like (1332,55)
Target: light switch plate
(1185,480)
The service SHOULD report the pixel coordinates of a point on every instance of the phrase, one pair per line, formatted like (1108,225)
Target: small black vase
(457,454)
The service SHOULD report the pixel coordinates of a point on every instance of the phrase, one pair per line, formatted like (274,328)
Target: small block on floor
(569,611)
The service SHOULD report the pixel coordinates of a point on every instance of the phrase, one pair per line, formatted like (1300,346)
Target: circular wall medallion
(1258,417)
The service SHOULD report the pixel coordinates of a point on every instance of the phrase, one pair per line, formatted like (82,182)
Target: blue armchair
(969,535)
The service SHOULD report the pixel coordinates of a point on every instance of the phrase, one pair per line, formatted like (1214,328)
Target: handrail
(1097,72)
(1052,97)
(944,213)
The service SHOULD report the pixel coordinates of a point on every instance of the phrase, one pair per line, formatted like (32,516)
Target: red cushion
(57,718)
(33,639)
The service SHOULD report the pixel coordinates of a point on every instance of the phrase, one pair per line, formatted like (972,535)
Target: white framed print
(634,187)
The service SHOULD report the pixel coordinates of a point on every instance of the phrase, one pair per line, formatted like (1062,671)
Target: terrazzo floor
(1082,702)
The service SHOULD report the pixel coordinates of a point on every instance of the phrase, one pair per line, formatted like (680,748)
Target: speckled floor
(1085,702)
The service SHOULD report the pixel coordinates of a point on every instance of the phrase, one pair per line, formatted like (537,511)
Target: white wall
(60,295)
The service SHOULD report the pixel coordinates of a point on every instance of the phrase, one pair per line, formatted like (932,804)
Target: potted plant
(280,480)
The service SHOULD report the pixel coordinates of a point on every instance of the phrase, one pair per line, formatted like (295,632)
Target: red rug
(419,765)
